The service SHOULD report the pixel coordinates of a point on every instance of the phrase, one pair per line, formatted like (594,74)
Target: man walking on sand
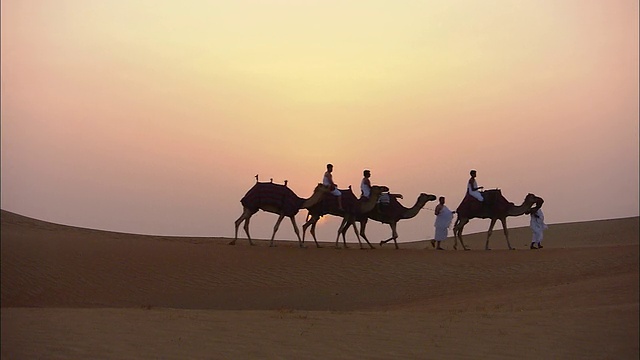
(538,226)
(444,216)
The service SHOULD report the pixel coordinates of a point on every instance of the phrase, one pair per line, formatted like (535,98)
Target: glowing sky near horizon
(154,116)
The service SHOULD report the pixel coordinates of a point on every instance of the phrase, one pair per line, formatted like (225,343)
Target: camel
(277,199)
(351,205)
(494,207)
(389,214)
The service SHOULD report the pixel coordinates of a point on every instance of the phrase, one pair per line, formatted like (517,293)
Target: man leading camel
(538,226)
(444,216)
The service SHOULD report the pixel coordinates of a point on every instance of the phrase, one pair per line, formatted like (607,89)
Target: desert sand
(74,293)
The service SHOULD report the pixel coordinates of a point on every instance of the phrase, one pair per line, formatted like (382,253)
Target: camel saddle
(276,195)
(391,207)
(330,202)
(493,202)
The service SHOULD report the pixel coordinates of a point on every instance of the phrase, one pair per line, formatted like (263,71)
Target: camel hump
(273,195)
(346,194)
(492,195)
(469,206)
(493,202)
(330,202)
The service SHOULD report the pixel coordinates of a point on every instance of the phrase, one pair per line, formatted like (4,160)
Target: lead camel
(494,207)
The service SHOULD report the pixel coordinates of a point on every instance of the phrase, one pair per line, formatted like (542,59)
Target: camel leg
(297,231)
(313,233)
(342,229)
(363,226)
(355,231)
(394,232)
(493,223)
(365,239)
(346,220)
(246,215)
(237,224)
(457,233)
(275,229)
(506,232)
(394,236)
(304,228)
(344,235)
(349,223)
(246,230)
(311,222)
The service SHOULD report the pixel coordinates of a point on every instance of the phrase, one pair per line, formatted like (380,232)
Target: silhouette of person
(444,216)
(365,184)
(327,180)
(538,226)
(472,187)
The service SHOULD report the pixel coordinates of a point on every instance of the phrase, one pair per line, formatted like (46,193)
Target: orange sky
(154,116)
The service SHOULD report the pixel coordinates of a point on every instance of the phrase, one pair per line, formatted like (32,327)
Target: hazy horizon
(153,117)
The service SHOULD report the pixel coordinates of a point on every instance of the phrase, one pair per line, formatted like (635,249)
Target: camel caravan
(380,206)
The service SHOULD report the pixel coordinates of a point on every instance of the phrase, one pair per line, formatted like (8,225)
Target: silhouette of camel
(277,199)
(388,214)
(494,207)
(351,206)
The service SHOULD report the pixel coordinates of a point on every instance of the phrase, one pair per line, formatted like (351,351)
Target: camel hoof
(381,243)
(466,249)
(512,248)
(487,249)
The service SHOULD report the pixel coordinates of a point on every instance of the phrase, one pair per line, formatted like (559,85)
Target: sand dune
(69,292)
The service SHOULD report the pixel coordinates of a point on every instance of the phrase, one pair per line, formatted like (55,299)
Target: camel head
(425,198)
(533,203)
(413,211)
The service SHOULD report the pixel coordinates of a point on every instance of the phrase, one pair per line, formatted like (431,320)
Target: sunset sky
(153,117)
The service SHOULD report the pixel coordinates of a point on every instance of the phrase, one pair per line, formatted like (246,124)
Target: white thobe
(366,190)
(537,226)
(475,193)
(442,223)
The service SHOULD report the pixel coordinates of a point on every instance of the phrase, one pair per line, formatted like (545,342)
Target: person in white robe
(538,226)
(444,217)
(472,187)
(365,184)
(327,180)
